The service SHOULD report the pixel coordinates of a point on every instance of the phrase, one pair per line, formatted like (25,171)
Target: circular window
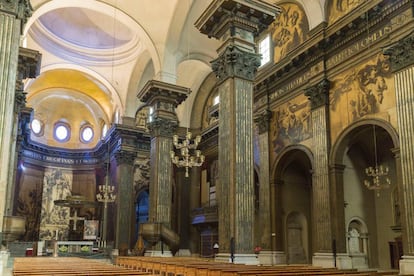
(62,132)
(36,126)
(86,134)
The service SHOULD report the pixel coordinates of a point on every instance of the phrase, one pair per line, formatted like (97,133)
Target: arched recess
(141,209)
(292,173)
(367,143)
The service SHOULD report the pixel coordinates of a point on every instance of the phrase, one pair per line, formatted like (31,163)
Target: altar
(75,246)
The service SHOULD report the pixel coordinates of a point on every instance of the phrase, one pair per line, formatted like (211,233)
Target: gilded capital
(263,121)
(162,127)
(401,53)
(318,94)
(234,62)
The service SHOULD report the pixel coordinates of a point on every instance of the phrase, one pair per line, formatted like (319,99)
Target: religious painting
(291,123)
(90,229)
(57,184)
(289,30)
(339,8)
(362,91)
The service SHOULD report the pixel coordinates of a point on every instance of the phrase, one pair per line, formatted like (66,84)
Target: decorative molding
(401,53)
(318,95)
(263,121)
(234,62)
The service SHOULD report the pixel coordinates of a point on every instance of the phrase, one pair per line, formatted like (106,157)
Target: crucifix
(75,219)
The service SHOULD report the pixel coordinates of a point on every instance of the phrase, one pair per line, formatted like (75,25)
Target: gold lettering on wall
(288,30)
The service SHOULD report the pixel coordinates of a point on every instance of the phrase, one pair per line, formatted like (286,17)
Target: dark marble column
(236,24)
(321,222)
(402,65)
(162,98)
(28,67)
(13,16)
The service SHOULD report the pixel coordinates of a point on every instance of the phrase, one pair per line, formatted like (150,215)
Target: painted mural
(339,8)
(362,91)
(57,184)
(291,123)
(288,30)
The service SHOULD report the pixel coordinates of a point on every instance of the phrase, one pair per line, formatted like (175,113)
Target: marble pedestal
(326,260)
(407,265)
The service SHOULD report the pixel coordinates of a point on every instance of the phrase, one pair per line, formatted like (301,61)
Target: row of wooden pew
(183,266)
(68,266)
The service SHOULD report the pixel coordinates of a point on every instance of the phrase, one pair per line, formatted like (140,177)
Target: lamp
(106,195)
(378,173)
(190,156)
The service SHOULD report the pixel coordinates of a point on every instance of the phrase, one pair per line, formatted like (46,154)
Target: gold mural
(291,123)
(288,30)
(362,91)
(339,8)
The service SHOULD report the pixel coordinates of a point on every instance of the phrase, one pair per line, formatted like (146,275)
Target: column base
(272,257)
(326,260)
(183,253)
(156,253)
(407,265)
(249,259)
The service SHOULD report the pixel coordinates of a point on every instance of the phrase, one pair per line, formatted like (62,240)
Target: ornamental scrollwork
(318,95)
(162,127)
(234,62)
(401,53)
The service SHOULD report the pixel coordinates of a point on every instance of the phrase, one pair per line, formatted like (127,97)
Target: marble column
(264,230)
(402,65)
(123,145)
(28,67)
(162,98)
(321,216)
(236,24)
(13,16)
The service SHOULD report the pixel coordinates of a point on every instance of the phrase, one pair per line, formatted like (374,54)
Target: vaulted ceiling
(97,55)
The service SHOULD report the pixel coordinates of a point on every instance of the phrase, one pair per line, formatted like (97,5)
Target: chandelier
(106,193)
(190,156)
(378,173)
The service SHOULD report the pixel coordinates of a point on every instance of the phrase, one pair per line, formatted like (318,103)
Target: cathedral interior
(271,132)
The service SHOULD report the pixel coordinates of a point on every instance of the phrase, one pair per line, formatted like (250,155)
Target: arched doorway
(362,151)
(141,209)
(293,202)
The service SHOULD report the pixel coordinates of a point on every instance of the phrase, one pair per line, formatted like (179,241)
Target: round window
(61,132)
(86,134)
(36,126)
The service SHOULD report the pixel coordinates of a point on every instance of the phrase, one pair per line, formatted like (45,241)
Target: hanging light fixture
(377,173)
(190,156)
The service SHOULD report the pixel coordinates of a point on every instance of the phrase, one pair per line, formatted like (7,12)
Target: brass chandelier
(190,156)
(378,173)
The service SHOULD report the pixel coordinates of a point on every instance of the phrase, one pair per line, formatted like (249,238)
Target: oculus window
(86,134)
(61,132)
(37,127)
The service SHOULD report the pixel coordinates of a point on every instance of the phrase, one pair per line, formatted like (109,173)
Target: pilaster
(318,96)
(162,98)
(264,230)
(402,60)
(13,16)
(236,23)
